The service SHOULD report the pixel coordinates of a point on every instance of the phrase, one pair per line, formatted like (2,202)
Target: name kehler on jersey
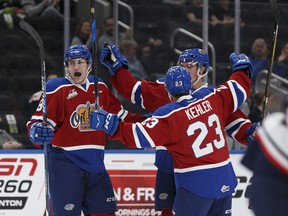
(198,109)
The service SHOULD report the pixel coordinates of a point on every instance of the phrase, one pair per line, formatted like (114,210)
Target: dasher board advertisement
(22,191)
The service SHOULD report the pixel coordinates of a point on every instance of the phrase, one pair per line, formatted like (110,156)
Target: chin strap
(199,76)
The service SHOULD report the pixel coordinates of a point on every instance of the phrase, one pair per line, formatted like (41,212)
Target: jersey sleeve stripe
(141,137)
(238,93)
(233,128)
(136,95)
(122,114)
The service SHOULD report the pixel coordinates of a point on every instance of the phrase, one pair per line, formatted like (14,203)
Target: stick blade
(30,29)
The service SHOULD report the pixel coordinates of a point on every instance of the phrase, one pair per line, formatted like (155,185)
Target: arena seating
(20,71)
(20,63)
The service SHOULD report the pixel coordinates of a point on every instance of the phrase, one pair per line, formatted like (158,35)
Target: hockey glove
(102,120)
(112,58)
(241,62)
(251,133)
(41,134)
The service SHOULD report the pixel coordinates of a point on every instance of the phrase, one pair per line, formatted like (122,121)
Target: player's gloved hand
(112,58)
(41,134)
(241,62)
(251,132)
(102,120)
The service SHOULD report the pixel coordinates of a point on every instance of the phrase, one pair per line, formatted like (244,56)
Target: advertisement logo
(12,202)
(16,181)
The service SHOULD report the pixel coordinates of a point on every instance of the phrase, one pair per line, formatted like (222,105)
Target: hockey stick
(276,13)
(34,34)
(94,50)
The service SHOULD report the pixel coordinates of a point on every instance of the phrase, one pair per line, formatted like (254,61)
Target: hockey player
(78,179)
(152,95)
(192,130)
(268,160)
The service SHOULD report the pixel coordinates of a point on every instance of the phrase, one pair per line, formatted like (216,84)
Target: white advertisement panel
(22,191)
(132,173)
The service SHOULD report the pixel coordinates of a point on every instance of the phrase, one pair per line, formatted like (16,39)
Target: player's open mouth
(77,74)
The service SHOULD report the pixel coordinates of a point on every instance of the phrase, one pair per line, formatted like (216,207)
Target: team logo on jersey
(228,211)
(163,196)
(72,93)
(80,117)
(69,207)
(225,188)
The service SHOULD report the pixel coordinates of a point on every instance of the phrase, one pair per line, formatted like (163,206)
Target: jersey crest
(80,117)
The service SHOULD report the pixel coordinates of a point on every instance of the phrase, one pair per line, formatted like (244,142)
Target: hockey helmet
(195,55)
(77,51)
(178,81)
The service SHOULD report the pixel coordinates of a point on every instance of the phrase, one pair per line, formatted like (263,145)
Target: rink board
(132,173)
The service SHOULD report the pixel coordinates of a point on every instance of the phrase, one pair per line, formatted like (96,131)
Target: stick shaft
(94,49)
(271,63)
(34,34)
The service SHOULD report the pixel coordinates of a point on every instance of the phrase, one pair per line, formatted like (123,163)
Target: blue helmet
(178,81)
(195,55)
(77,51)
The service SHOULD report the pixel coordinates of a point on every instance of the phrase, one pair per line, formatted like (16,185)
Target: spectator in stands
(107,35)
(45,8)
(259,57)
(145,57)
(8,142)
(83,34)
(10,13)
(222,22)
(223,13)
(165,55)
(10,7)
(4,137)
(176,8)
(160,53)
(282,62)
(194,17)
(34,99)
(13,144)
(129,49)
(194,12)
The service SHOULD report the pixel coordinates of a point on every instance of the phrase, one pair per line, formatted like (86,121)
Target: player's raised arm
(240,87)
(148,95)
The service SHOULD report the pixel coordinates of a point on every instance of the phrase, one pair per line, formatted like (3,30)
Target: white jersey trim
(81,147)
(203,167)
(138,83)
(37,118)
(144,133)
(161,148)
(122,114)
